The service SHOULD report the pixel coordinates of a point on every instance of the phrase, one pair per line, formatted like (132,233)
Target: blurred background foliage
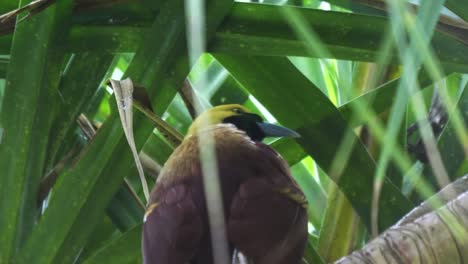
(363,82)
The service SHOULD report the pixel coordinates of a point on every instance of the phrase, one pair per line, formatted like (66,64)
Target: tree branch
(424,235)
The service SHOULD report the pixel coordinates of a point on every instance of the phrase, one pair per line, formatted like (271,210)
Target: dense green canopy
(350,77)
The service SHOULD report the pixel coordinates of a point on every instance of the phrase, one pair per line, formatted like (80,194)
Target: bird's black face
(247,122)
(256,129)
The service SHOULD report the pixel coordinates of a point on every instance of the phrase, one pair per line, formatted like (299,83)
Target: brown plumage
(265,210)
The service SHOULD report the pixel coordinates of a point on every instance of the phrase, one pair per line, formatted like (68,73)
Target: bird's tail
(239,258)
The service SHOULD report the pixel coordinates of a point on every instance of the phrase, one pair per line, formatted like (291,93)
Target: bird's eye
(237,110)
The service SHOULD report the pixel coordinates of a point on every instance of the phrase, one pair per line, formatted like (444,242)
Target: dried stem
(188,95)
(123,91)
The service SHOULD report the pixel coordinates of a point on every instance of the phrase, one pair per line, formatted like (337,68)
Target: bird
(265,211)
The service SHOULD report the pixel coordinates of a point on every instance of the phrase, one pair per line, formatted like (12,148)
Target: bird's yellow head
(243,119)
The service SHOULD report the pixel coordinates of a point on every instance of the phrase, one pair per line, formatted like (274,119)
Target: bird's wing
(268,216)
(173,227)
(281,176)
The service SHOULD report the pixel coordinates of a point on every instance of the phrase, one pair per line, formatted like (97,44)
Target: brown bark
(439,236)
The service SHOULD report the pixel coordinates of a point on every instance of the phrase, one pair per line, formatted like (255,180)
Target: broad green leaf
(125,210)
(313,70)
(341,227)
(118,39)
(123,249)
(89,211)
(133,13)
(311,255)
(3,68)
(289,150)
(26,118)
(356,7)
(103,232)
(2,91)
(79,198)
(5,43)
(158,148)
(261,29)
(227,90)
(314,194)
(87,188)
(8,5)
(98,107)
(379,99)
(178,115)
(76,93)
(258,29)
(459,7)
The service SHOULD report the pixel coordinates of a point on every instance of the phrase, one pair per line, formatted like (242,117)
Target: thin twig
(86,126)
(150,165)
(129,187)
(34,6)
(188,96)
(169,133)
